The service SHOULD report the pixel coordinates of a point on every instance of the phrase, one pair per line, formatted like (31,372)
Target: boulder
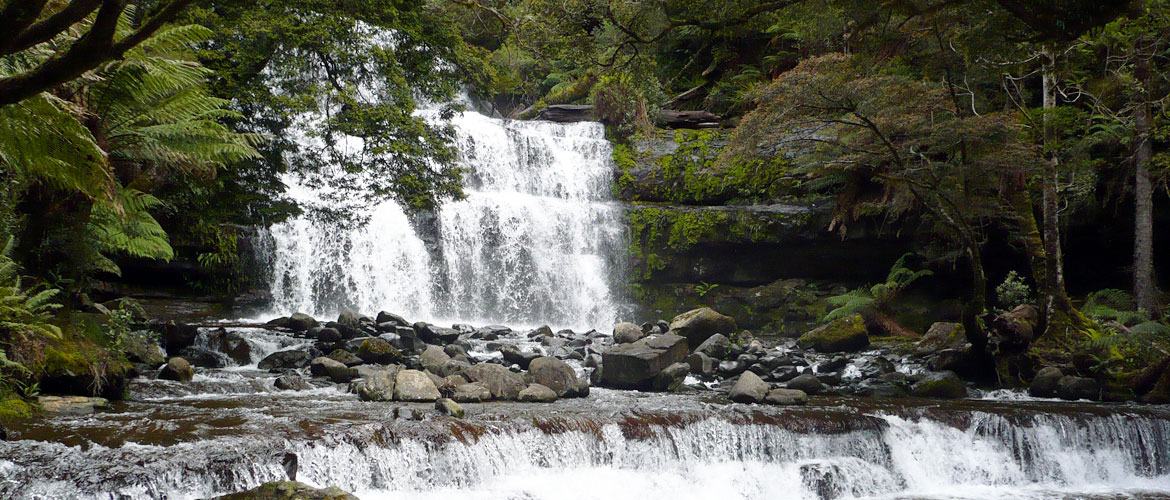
(1073,388)
(453,367)
(72,405)
(415,386)
(808,383)
(786,397)
(536,393)
(701,364)
(291,383)
(501,382)
(299,322)
(327,335)
(176,336)
(433,359)
(634,365)
(846,334)
(700,324)
(944,385)
(716,346)
(672,377)
(378,350)
(750,388)
(448,406)
(204,357)
(473,392)
(875,388)
(345,357)
(388,317)
(378,385)
(942,336)
(434,334)
(625,333)
(285,360)
(335,370)
(177,369)
(515,356)
(554,374)
(141,349)
(289,490)
(1046,383)
(349,324)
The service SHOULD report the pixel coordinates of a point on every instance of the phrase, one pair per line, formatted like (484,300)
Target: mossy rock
(846,334)
(945,385)
(376,350)
(12,407)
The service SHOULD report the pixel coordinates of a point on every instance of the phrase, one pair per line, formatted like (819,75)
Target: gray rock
(378,385)
(701,364)
(945,385)
(875,388)
(554,374)
(388,317)
(672,377)
(749,389)
(299,322)
(808,383)
(433,359)
(72,405)
(1046,384)
(285,360)
(700,324)
(626,333)
(473,392)
(379,350)
(345,357)
(448,406)
(536,393)
(350,324)
(234,346)
(335,370)
(177,369)
(634,365)
(289,490)
(501,382)
(291,383)
(514,355)
(415,386)
(716,346)
(786,397)
(1073,388)
(452,367)
(942,336)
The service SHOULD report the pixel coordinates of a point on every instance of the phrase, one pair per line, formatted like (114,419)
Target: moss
(12,407)
(844,334)
(79,362)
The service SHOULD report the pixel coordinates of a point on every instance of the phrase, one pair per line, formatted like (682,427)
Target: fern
(24,312)
(1113,304)
(877,297)
(126,227)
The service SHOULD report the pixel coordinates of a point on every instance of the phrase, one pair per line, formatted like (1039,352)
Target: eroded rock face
(846,334)
(700,324)
(634,365)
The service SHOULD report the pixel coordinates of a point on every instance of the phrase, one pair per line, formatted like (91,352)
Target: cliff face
(742,236)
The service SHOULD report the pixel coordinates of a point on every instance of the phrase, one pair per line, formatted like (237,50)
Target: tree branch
(15,18)
(45,30)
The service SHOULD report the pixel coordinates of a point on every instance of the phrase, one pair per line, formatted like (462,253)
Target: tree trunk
(1029,233)
(1145,289)
(1055,297)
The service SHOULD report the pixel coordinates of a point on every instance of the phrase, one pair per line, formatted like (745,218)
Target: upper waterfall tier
(534,242)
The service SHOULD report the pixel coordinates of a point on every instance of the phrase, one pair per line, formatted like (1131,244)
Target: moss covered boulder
(289,490)
(377,350)
(700,324)
(846,334)
(944,385)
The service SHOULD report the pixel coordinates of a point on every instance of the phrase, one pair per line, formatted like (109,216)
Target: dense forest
(978,132)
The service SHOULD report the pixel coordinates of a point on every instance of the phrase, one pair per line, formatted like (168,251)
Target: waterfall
(536,240)
(1022,454)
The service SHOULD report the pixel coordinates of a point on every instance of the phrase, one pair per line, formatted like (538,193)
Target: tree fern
(127,228)
(877,297)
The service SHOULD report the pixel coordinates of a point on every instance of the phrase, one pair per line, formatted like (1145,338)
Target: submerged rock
(177,369)
(634,366)
(289,490)
(700,324)
(846,334)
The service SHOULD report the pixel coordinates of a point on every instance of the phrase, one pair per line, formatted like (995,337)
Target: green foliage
(25,316)
(1013,291)
(878,297)
(620,106)
(703,288)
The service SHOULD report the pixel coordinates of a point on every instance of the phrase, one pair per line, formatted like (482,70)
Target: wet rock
(349,323)
(875,366)
(176,336)
(516,356)
(701,364)
(415,386)
(389,317)
(1073,388)
(700,324)
(875,388)
(749,389)
(448,406)
(501,382)
(731,368)
(1046,383)
(452,367)
(140,349)
(942,336)
(345,357)
(473,392)
(785,373)
(72,405)
(582,390)
(327,335)
(945,385)
(433,359)
(634,365)
(627,333)
(335,370)
(716,346)
(554,374)
(846,334)
(838,363)
(285,360)
(289,490)
(378,385)
(177,369)
(455,350)
(672,377)
(542,331)
(409,341)
(378,350)
(830,378)
(204,358)
(234,346)
(434,334)
(291,383)
(808,383)
(536,393)
(786,397)
(299,322)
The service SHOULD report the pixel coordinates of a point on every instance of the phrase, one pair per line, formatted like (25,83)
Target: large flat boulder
(846,334)
(700,324)
(634,365)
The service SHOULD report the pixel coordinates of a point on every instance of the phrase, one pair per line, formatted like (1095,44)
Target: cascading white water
(534,242)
